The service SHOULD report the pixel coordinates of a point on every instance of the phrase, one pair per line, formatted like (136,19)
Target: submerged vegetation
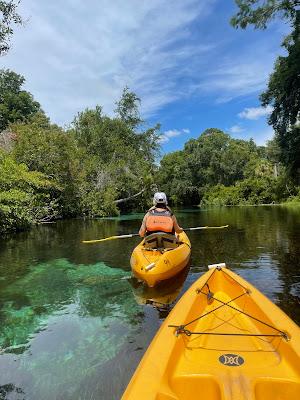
(80,285)
(84,312)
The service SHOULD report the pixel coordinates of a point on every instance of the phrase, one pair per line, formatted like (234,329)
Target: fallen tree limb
(130,197)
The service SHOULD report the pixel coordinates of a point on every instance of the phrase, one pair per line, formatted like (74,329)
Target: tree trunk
(275,171)
(130,197)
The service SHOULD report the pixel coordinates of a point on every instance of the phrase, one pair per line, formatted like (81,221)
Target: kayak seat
(161,240)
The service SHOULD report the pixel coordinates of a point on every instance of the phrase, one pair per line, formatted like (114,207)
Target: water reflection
(74,325)
(163,296)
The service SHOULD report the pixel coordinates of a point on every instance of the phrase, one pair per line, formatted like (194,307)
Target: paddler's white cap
(160,198)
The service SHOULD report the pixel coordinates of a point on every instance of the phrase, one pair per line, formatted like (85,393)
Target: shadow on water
(74,325)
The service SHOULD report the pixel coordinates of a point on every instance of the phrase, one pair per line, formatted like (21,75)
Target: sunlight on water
(74,324)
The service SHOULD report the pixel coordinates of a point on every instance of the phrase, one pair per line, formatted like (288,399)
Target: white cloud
(167,135)
(240,75)
(75,55)
(236,129)
(239,69)
(254,113)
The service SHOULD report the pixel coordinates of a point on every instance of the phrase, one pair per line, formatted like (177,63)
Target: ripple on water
(70,325)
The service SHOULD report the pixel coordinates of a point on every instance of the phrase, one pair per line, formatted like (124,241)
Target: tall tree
(8,17)
(120,160)
(128,108)
(15,104)
(283,92)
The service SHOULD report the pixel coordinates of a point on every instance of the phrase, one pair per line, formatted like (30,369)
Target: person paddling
(159,218)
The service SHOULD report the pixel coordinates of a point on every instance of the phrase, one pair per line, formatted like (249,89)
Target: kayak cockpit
(160,256)
(160,241)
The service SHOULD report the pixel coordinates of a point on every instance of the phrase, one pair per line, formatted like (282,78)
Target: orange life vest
(160,221)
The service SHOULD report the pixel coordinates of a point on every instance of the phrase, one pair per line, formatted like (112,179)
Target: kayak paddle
(205,227)
(136,234)
(110,238)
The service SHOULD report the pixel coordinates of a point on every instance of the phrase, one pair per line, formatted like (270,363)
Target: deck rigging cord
(181,329)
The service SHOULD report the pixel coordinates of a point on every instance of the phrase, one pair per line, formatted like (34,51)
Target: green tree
(254,190)
(8,17)
(283,92)
(216,158)
(128,108)
(120,160)
(26,197)
(175,179)
(213,163)
(48,149)
(260,12)
(15,104)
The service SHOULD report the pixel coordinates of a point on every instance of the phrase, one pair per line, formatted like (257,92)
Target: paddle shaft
(111,238)
(136,234)
(196,228)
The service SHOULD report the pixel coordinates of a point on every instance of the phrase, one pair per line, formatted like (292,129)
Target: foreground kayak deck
(226,341)
(165,264)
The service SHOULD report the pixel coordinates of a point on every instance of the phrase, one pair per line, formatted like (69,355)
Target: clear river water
(74,324)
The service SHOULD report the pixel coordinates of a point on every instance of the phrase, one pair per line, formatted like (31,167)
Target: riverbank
(286,203)
(133,216)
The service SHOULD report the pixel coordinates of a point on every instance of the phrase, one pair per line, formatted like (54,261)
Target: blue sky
(190,68)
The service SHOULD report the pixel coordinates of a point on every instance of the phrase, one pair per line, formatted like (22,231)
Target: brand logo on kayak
(231,360)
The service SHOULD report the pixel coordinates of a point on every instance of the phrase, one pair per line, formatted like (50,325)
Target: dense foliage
(15,104)
(260,12)
(118,161)
(218,170)
(103,165)
(48,149)
(99,166)
(25,197)
(106,165)
(8,17)
(283,92)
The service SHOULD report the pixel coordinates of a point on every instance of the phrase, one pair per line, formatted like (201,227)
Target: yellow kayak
(158,258)
(223,340)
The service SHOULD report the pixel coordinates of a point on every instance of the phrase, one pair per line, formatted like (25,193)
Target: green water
(74,324)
